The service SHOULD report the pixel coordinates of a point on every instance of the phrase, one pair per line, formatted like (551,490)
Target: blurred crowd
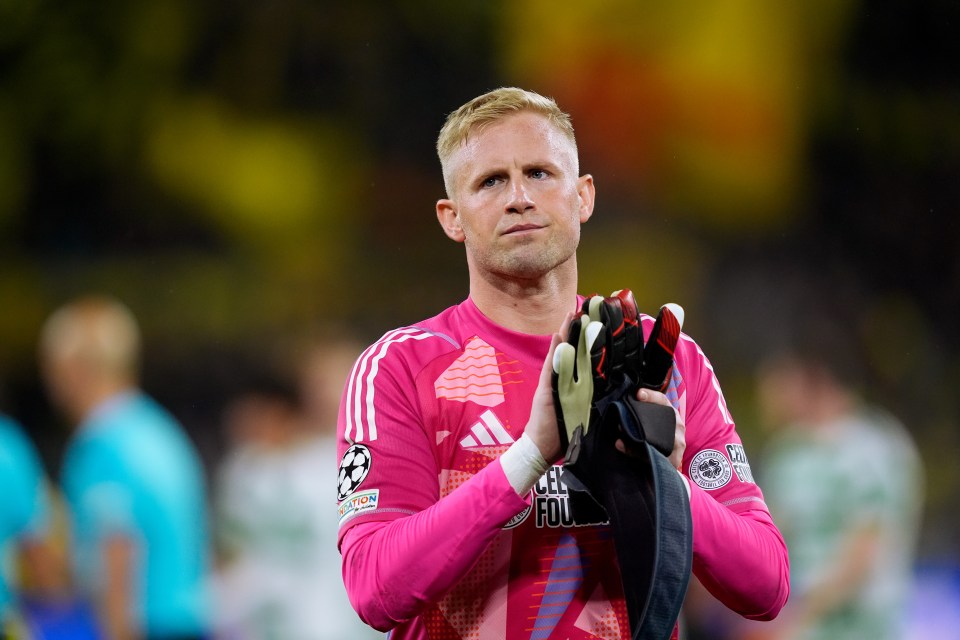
(128,539)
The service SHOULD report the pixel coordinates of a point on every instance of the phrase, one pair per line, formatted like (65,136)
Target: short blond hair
(98,330)
(492,107)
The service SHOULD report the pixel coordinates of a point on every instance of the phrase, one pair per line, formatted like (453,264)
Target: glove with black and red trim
(622,363)
(640,493)
(625,358)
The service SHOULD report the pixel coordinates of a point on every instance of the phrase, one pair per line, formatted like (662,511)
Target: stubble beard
(528,261)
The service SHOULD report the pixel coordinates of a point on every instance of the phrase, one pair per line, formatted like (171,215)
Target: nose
(519,200)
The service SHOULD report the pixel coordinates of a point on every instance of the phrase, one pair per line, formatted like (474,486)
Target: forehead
(519,138)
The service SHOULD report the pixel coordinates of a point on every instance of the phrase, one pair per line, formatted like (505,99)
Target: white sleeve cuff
(523,464)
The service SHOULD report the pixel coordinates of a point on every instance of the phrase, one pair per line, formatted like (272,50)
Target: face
(517,203)
(63,377)
(784,390)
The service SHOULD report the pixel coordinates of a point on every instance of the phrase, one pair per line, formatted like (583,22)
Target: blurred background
(246,175)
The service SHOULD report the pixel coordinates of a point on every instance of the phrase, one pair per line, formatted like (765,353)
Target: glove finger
(678,313)
(612,317)
(591,307)
(563,357)
(574,339)
(593,333)
(658,352)
(585,373)
(633,335)
(562,380)
(596,350)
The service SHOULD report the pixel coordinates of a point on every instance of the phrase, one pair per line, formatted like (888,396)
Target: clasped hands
(599,363)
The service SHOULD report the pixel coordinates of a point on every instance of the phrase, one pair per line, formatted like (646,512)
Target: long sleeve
(740,558)
(393,569)
(739,554)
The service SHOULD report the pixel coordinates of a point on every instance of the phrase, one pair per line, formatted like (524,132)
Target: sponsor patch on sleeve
(710,469)
(738,457)
(359,502)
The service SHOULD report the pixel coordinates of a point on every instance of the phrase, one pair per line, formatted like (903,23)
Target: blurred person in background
(131,477)
(843,479)
(278,573)
(24,519)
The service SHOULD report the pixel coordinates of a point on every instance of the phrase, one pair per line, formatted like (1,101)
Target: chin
(525,263)
(530,267)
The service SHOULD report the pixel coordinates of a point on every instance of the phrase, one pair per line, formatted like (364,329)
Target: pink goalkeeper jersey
(437,544)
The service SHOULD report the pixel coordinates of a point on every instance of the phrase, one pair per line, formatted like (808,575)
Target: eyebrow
(553,166)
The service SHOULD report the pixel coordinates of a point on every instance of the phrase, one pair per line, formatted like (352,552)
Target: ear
(587,192)
(449,219)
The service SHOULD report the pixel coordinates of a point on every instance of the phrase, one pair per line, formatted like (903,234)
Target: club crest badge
(710,469)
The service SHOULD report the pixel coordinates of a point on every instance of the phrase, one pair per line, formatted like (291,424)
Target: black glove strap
(642,422)
(649,514)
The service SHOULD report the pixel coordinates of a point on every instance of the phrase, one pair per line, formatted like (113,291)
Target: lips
(517,228)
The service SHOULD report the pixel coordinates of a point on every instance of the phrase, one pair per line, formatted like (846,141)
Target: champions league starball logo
(354,467)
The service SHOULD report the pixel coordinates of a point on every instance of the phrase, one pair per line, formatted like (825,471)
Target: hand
(680,434)
(624,352)
(617,354)
(573,378)
(542,426)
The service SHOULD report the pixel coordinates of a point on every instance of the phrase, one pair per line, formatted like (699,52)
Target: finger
(553,354)
(596,351)
(561,355)
(552,376)
(612,314)
(592,307)
(573,331)
(633,335)
(655,397)
(678,313)
(658,352)
(564,329)
(593,332)
(620,446)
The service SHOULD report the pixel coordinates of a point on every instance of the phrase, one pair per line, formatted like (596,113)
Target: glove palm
(573,379)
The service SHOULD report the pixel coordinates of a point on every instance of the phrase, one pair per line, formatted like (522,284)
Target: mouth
(521,228)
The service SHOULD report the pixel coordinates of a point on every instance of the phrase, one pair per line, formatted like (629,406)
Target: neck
(831,405)
(536,306)
(97,393)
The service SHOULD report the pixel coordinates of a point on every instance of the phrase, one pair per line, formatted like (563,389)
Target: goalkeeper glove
(623,364)
(573,379)
(628,360)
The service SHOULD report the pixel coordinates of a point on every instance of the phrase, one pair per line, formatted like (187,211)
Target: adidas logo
(487,432)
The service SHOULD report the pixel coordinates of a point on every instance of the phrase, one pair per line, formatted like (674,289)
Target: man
(844,479)
(132,479)
(279,570)
(24,512)
(453,523)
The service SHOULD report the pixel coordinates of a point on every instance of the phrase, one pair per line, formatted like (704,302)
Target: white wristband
(523,464)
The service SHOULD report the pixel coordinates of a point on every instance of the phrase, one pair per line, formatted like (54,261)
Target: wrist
(523,464)
(686,483)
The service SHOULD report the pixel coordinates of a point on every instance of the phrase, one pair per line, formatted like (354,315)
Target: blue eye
(538,174)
